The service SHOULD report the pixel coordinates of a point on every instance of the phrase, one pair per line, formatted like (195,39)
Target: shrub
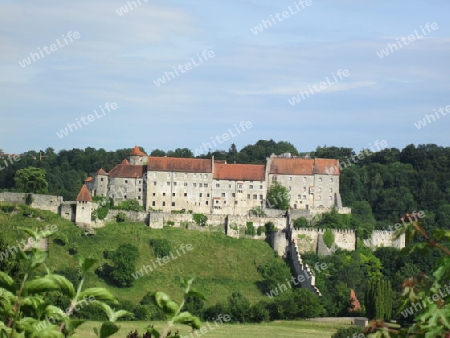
(349,332)
(170,223)
(300,222)
(328,238)
(260,230)
(270,228)
(200,219)
(120,217)
(160,247)
(257,211)
(130,205)
(250,229)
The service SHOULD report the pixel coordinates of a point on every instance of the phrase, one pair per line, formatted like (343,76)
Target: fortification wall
(345,239)
(42,202)
(279,243)
(302,269)
(382,238)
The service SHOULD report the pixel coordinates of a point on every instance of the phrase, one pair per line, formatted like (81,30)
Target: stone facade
(216,187)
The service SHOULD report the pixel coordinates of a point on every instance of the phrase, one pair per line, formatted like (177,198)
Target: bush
(250,229)
(130,205)
(257,211)
(170,223)
(328,238)
(160,247)
(200,219)
(120,217)
(260,230)
(300,222)
(270,228)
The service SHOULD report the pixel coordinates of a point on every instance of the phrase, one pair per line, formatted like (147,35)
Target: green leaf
(100,294)
(161,299)
(188,319)
(6,282)
(40,284)
(64,284)
(38,257)
(196,294)
(85,263)
(108,329)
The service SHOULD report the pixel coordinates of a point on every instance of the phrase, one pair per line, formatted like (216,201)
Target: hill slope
(221,264)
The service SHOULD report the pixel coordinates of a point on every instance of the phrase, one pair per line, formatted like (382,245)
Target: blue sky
(117,58)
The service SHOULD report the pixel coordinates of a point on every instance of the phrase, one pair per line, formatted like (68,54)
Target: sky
(98,57)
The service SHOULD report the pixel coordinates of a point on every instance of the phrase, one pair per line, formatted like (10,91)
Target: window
(200,185)
(217,201)
(164,194)
(260,187)
(304,197)
(185,194)
(304,189)
(331,190)
(207,195)
(139,181)
(239,186)
(164,204)
(274,179)
(154,194)
(205,176)
(185,184)
(173,204)
(255,196)
(233,195)
(139,189)
(304,178)
(101,179)
(168,183)
(299,197)
(173,194)
(153,203)
(223,194)
(194,184)
(261,197)
(206,185)
(125,197)
(126,181)
(320,179)
(154,183)
(200,195)
(224,202)
(331,179)
(290,178)
(139,197)
(229,186)
(174,183)
(206,202)
(248,196)
(251,186)
(217,185)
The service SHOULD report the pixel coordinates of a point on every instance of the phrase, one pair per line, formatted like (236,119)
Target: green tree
(300,222)
(278,197)
(124,260)
(31,180)
(378,299)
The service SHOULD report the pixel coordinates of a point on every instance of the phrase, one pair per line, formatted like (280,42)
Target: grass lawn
(304,329)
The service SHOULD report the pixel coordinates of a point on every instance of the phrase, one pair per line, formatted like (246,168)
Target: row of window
(305,179)
(255,196)
(205,185)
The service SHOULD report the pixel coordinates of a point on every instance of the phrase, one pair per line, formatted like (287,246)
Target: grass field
(282,329)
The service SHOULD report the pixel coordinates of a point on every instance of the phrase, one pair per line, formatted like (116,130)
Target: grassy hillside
(221,264)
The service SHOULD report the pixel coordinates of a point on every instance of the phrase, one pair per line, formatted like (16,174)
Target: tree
(124,260)
(158,152)
(31,180)
(181,152)
(378,299)
(278,197)
(300,222)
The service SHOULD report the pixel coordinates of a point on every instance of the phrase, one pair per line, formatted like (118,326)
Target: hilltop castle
(217,187)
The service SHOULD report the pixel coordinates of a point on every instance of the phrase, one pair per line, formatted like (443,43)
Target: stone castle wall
(43,202)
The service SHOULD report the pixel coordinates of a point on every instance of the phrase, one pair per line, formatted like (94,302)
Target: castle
(217,187)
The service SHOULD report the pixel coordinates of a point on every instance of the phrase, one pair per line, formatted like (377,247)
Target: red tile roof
(303,166)
(125,161)
(127,171)
(101,172)
(188,165)
(84,195)
(89,179)
(244,172)
(137,152)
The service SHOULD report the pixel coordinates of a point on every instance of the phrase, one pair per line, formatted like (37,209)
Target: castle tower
(100,186)
(84,207)
(138,157)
